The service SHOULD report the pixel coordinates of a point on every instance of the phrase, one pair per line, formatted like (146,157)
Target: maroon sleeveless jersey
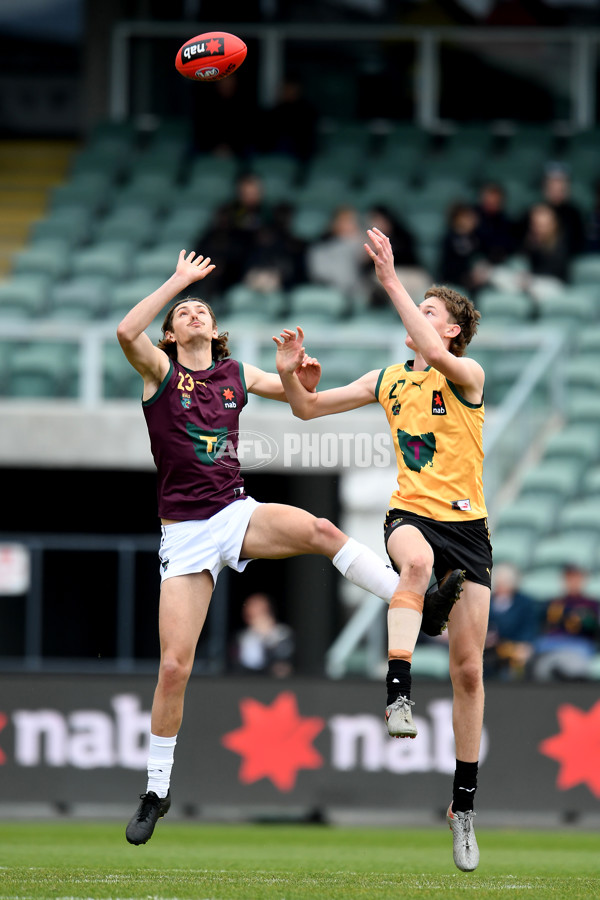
(193,425)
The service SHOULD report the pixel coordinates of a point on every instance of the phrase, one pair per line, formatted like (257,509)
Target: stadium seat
(267,165)
(50,257)
(325,192)
(533,511)
(184,225)
(583,407)
(44,370)
(542,583)
(124,297)
(590,483)
(110,258)
(515,546)
(90,191)
(504,304)
(154,190)
(577,547)
(157,262)
(579,442)
(556,477)
(243,300)
(430,661)
(310,224)
(317,300)
(581,514)
(28,291)
(83,296)
(204,189)
(120,380)
(569,306)
(586,269)
(134,224)
(71,224)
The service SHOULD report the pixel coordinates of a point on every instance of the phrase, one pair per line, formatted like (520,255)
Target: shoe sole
(440,623)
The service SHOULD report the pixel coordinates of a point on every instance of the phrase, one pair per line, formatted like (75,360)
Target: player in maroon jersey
(192,396)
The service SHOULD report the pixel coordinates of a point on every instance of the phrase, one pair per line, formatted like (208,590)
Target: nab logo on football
(438,407)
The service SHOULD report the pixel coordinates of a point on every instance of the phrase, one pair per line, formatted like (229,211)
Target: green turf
(288,862)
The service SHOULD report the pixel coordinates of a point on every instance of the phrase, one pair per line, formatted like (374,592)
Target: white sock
(160,763)
(361,566)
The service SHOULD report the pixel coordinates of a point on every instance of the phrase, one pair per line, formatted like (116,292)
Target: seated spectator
(496,230)
(556,191)
(277,260)
(265,646)
(461,247)
(570,631)
(338,258)
(234,233)
(220,118)
(513,626)
(414,278)
(544,244)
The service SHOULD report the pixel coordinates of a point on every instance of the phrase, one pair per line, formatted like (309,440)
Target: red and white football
(211,56)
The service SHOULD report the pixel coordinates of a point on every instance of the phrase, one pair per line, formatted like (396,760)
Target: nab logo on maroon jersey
(228,397)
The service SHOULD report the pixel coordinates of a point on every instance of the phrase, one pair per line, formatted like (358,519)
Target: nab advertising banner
(256,743)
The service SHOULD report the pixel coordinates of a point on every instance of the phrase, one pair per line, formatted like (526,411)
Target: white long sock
(360,565)
(160,763)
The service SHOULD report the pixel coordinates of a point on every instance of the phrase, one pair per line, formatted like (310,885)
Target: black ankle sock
(464,787)
(398,680)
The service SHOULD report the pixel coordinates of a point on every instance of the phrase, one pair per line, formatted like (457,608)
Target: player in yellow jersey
(437,516)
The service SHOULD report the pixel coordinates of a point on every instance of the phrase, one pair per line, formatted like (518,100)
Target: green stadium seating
(184,226)
(430,661)
(50,257)
(309,223)
(586,269)
(110,258)
(243,300)
(82,296)
(577,442)
(134,224)
(316,301)
(71,224)
(581,514)
(556,477)
(531,512)
(514,545)
(44,370)
(577,547)
(542,583)
(26,291)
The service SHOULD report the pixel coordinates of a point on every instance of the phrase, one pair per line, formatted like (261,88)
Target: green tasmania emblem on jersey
(208,445)
(417,450)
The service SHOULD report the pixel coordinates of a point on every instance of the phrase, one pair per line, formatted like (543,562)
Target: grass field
(288,862)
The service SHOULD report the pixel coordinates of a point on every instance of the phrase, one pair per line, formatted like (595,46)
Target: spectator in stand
(277,259)
(513,626)
(461,247)
(290,127)
(338,258)
(544,245)
(234,234)
(556,190)
(265,646)
(406,261)
(570,631)
(496,230)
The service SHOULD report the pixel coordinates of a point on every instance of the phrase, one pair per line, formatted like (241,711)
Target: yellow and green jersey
(437,437)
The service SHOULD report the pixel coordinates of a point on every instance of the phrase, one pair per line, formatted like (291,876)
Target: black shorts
(455,545)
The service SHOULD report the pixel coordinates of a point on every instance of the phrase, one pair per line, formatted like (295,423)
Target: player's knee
(418,567)
(468,676)
(325,534)
(174,673)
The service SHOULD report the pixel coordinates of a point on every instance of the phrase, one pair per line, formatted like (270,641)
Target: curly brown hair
(462,312)
(220,348)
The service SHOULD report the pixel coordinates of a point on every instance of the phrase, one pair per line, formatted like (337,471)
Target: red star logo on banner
(275,741)
(576,748)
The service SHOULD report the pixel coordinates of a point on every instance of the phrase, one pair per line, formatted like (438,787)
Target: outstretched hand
(381,254)
(291,357)
(192,267)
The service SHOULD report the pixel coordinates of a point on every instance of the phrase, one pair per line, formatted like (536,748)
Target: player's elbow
(125,334)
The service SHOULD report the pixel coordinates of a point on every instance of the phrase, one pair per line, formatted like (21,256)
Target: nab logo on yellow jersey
(438,407)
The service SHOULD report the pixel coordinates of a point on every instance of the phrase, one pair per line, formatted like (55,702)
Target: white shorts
(212,544)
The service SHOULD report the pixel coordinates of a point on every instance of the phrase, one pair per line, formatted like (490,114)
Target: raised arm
(268,384)
(148,360)
(311,405)
(462,371)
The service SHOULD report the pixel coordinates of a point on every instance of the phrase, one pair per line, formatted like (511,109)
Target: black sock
(464,787)
(398,680)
